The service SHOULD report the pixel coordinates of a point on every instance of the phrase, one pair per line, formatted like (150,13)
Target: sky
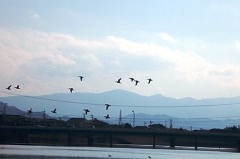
(189,48)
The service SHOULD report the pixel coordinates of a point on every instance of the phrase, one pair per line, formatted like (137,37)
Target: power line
(119,105)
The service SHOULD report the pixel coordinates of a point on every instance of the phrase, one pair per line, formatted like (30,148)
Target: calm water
(56,152)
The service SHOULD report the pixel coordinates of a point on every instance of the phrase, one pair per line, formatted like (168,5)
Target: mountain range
(157,108)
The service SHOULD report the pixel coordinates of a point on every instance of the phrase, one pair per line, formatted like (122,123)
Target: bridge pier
(111,140)
(69,138)
(27,138)
(238,148)
(172,142)
(90,140)
(196,143)
(154,141)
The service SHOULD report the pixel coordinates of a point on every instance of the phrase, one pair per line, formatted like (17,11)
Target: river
(62,152)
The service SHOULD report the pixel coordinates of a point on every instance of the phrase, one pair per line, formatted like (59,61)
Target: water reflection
(56,152)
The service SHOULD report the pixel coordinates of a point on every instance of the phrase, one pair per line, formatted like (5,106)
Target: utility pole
(84,117)
(4,112)
(144,123)
(133,118)
(170,125)
(44,114)
(120,118)
(30,115)
(4,109)
(150,122)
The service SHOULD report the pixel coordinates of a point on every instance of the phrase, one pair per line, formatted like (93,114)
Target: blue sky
(189,48)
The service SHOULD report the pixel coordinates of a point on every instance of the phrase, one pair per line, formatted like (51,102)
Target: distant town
(44,120)
(45,130)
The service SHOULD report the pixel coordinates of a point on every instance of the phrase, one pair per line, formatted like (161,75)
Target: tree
(127,125)
(233,129)
(157,126)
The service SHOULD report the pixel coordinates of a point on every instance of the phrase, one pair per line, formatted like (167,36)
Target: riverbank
(63,152)
(139,146)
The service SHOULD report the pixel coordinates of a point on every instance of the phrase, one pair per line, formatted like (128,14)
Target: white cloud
(166,37)
(185,63)
(26,53)
(34,15)
(237,44)
(225,9)
(59,59)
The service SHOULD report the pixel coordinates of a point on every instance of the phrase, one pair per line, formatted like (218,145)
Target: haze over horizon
(189,48)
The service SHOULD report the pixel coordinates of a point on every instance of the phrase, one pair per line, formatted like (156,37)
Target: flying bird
(86,111)
(29,111)
(149,80)
(81,78)
(17,87)
(9,87)
(149,157)
(107,106)
(136,82)
(54,111)
(119,80)
(71,90)
(107,116)
(132,79)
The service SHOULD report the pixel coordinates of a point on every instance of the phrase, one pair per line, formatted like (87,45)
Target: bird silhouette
(136,82)
(54,111)
(107,116)
(81,78)
(86,111)
(9,87)
(132,79)
(149,157)
(149,80)
(107,106)
(17,87)
(71,90)
(109,155)
(29,111)
(119,80)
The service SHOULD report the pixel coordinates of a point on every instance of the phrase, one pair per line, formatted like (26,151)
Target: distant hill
(186,123)
(11,110)
(73,105)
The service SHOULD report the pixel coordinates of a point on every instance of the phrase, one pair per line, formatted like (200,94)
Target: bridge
(172,137)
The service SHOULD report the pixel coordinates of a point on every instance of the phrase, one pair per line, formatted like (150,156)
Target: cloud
(225,9)
(166,37)
(34,15)
(32,57)
(187,64)
(237,44)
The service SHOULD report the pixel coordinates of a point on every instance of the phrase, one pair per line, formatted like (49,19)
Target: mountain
(12,110)
(73,104)
(142,119)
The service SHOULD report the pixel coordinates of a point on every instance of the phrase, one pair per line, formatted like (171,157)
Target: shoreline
(222,149)
(138,146)
(117,152)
